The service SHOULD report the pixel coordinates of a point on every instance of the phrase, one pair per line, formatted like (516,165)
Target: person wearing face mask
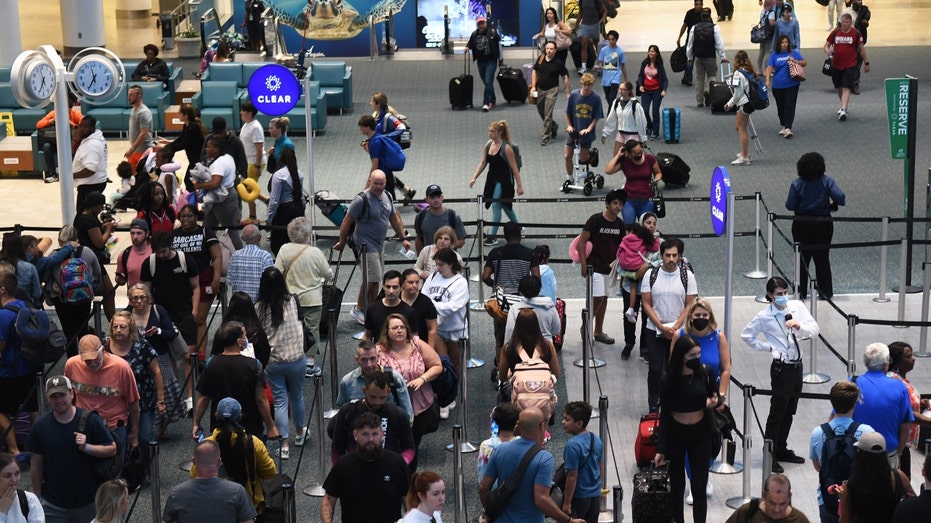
(782,323)
(687,390)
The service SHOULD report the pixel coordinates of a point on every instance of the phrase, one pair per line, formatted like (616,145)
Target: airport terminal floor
(447,147)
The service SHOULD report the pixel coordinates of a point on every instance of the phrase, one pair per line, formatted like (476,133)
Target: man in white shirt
(781,323)
(90,161)
(667,292)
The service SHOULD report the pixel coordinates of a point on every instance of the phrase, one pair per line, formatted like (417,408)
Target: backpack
(684,269)
(517,158)
(393,157)
(181,260)
(41,340)
(23,502)
(837,456)
(532,386)
(703,39)
(365,209)
(105,468)
(446,385)
(71,283)
(404,137)
(757,91)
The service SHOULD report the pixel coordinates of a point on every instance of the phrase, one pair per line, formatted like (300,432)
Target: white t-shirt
(668,294)
(224,166)
(251,134)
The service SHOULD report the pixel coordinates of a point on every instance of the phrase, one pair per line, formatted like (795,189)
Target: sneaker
(489,241)
(189,407)
(313,370)
(625,354)
(644,359)
(709,490)
(491,105)
(285,453)
(485,108)
(631,315)
(299,440)
(357,315)
(686,82)
(782,132)
(409,195)
(842,115)
(788,134)
(545,141)
(777,468)
(741,160)
(604,338)
(830,27)
(51,179)
(444,412)
(688,497)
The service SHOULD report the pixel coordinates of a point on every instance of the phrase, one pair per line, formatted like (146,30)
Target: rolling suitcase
(645,443)
(561,310)
(460,87)
(512,84)
(672,118)
(651,501)
(331,207)
(719,92)
(675,170)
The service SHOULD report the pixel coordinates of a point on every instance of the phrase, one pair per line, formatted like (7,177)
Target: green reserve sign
(897,99)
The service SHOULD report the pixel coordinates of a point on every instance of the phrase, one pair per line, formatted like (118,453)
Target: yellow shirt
(264,467)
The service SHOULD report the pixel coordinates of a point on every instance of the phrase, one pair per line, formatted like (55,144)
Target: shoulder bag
(659,202)
(797,72)
(497,499)
(558,490)
(562,40)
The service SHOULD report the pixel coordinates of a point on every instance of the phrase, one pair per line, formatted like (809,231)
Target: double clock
(95,75)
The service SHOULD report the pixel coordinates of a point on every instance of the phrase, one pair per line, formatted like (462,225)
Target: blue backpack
(759,94)
(393,157)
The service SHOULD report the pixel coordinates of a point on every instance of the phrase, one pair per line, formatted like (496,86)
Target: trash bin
(167,21)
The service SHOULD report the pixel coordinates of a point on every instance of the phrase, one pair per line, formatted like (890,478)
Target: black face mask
(693,364)
(700,324)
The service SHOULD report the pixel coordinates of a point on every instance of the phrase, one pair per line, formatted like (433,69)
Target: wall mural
(332,19)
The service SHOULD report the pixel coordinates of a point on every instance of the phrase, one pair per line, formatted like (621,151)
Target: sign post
(722,206)
(902,112)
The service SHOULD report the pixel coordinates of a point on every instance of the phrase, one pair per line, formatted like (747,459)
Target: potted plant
(189,45)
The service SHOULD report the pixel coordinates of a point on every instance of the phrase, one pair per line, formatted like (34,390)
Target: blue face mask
(781,301)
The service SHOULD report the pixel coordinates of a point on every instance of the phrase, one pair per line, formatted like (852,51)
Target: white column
(81,24)
(9,28)
(133,9)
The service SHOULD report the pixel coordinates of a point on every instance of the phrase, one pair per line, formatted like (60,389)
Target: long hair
(527,334)
(869,490)
(503,130)
(234,455)
(659,58)
(193,119)
(146,200)
(241,309)
(644,234)
(289,160)
(779,44)
(273,294)
(704,304)
(684,344)
(109,497)
(420,484)
(555,15)
(13,249)
(742,61)
(384,340)
(381,100)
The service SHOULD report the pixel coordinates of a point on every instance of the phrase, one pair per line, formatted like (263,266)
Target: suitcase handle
(467,66)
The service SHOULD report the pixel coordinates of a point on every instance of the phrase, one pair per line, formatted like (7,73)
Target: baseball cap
(229,409)
(57,385)
(434,189)
(93,199)
(480,20)
(139,223)
(872,442)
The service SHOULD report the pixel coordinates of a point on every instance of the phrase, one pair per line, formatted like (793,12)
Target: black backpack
(837,456)
(703,39)
(105,469)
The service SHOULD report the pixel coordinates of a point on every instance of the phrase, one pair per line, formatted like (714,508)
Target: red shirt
(846,48)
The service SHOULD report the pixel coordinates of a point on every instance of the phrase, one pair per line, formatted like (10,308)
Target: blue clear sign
(720,188)
(274,90)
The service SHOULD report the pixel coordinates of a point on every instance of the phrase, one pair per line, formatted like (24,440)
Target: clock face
(40,81)
(94,78)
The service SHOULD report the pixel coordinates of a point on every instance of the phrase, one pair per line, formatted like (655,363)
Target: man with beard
(377,313)
(352,386)
(371,482)
(397,434)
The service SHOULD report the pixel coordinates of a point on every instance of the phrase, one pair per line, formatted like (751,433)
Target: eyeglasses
(138,298)
(397,328)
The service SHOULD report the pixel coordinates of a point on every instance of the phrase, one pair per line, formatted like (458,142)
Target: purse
(762,31)
(826,68)
(659,202)
(498,305)
(562,41)
(797,72)
(177,347)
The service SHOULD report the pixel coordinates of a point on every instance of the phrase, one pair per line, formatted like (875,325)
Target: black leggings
(695,441)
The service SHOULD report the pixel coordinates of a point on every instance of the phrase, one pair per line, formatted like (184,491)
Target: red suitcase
(646,443)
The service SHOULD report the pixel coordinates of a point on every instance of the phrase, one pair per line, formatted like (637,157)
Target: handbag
(659,202)
(797,72)
(562,41)
(497,499)
(498,305)
(177,347)
(558,490)
(826,68)
(762,31)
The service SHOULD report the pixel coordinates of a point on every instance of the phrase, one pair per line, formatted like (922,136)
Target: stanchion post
(333,320)
(798,269)
(605,514)
(587,333)
(925,292)
(736,502)
(586,354)
(40,391)
(767,458)
(461,515)
(316,488)
(813,376)
(373,40)
(618,504)
(98,321)
(194,361)
(883,268)
(462,407)
(770,218)
(364,266)
(756,273)
(155,489)
(903,262)
(480,238)
(472,363)
(851,345)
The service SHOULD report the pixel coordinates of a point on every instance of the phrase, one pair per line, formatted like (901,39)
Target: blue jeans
(56,514)
(496,210)
(287,383)
(651,101)
(487,69)
(634,208)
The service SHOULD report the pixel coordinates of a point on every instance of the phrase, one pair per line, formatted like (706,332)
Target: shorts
(15,391)
(205,279)
(747,109)
(254,172)
(375,262)
(592,31)
(187,327)
(599,284)
(585,141)
(452,336)
(844,78)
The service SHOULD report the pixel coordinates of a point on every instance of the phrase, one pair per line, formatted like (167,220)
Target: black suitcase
(460,87)
(513,85)
(651,501)
(675,170)
(719,91)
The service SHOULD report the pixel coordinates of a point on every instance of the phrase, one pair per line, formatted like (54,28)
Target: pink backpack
(532,385)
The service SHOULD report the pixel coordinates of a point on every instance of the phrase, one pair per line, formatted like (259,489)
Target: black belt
(796,363)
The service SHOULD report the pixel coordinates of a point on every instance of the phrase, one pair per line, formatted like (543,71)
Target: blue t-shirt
(576,457)
(780,64)
(581,110)
(504,462)
(817,440)
(884,404)
(12,364)
(613,59)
